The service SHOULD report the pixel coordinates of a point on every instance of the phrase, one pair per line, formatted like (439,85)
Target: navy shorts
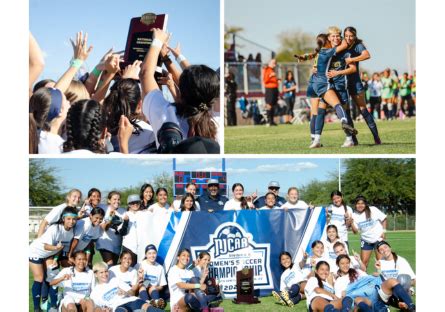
(342,94)
(310,92)
(36,260)
(367,246)
(355,87)
(132,305)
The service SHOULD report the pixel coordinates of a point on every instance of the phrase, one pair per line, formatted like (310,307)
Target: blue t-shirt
(261,201)
(288,84)
(323,64)
(206,203)
(355,51)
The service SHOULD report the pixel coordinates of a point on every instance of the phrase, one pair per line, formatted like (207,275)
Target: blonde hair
(334,30)
(76,91)
(71,192)
(99,266)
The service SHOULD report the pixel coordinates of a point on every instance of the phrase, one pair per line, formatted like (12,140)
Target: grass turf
(398,137)
(402,242)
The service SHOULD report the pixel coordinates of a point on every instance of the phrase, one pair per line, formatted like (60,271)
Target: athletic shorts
(132,305)
(355,87)
(271,96)
(67,299)
(406,97)
(310,92)
(36,260)
(343,95)
(367,246)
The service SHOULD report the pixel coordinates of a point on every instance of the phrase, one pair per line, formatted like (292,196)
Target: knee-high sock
(370,122)
(36,291)
(294,290)
(202,298)
(155,294)
(363,307)
(341,114)
(329,308)
(312,124)
(53,296)
(144,295)
(45,289)
(319,121)
(401,293)
(346,304)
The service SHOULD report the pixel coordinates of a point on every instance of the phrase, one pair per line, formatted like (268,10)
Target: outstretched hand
(132,70)
(176,51)
(81,51)
(161,35)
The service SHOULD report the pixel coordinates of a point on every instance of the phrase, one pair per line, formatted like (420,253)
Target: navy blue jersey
(288,84)
(338,63)
(261,201)
(355,51)
(320,84)
(206,203)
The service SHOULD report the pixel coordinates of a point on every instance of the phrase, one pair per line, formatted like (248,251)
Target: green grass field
(403,243)
(398,137)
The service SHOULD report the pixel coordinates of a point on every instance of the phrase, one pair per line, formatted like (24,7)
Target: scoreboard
(200,178)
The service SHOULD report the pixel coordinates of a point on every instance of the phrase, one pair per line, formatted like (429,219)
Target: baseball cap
(150,247)
(274,184)
(133,198)
(212,181)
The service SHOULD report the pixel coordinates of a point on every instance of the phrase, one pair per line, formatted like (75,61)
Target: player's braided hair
(84,127)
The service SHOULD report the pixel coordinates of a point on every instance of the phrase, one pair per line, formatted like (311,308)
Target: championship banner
(234,240)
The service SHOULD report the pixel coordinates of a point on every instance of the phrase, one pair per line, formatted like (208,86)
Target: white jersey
(338,215)
(291,277)
(154,273)
(298,205)
(329,249)
(138,142)
(50,143)
(158,110)
(342,282)
(88,209)
(177,275)
(54,215)
(156,208)
(85,232)
(177,205)
(110,240)
(106,295)
(130,277)
(310,292)
(308,267)
(390,269)
(370,230)
(130,240)
(334,268)
(232,204)
(79,285)
(54,234)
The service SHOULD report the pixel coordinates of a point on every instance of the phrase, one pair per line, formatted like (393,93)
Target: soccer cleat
(348,143)
(377,141)
(278,298)
(315,144)
(349,129)
(285,296)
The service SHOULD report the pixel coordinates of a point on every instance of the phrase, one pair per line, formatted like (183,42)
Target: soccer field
(403,243)
(398,137)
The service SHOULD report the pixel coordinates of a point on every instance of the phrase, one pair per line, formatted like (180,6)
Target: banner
(236,239)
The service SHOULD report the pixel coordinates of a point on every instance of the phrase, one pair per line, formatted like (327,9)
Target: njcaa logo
(230,239)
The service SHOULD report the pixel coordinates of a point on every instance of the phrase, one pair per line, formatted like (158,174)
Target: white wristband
(157,43)
(180,58)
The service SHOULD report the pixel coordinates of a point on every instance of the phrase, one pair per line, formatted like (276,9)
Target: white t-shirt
(177,275)
(85,232)
(154,273)
(329,249)
(54,215)
(232,204)
(50,143)
(291,277)
(307,268)
(158,110)
(393,270)
(342,282)
(130,277)
(138,143)
(338,219)
(53,235)
(177,205)
(310,293)
(80,284)
(370,230)
(110,240)
(106,295)
(334,268)
(156,208)
(298,205)
(130,240)
(375,88)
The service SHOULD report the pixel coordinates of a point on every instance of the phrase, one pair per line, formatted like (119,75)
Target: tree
(318,192)
(294,42)
(229,31)
(44,186)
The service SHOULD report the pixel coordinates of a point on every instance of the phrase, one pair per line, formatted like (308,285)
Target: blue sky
(386,27)
(254,174)
(194,23)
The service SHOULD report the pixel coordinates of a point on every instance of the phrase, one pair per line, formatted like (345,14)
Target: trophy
(140,36)
(244,287)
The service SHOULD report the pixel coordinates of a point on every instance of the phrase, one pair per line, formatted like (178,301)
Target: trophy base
(252,300)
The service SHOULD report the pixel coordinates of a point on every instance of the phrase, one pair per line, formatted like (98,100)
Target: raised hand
(101,65)
(81,51)
(111,64)
(161,35)
(132,70)
(175,51)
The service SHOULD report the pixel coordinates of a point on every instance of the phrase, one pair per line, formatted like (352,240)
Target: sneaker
(377,141)
(44,305)
(348,143)
(278,298)
(349,129)
(286,298)
(160,303)
(315,144)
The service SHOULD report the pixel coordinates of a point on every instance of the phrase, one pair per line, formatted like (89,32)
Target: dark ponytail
(322,39)
(352,273)
(319,264)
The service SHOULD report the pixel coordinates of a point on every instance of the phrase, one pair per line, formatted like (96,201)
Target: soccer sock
(155,294)
(45,289)
(294,290)
(370,121)
(144,295)
(36,290)
(329,308)
(346,304)
(363,307)
(192,302)
(401,293)
(312,124)
(53,296)
(296,299)
(340,113)
(202,298)
(319,121)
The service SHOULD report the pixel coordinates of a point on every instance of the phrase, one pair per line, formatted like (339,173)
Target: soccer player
(293,200)
(340,215)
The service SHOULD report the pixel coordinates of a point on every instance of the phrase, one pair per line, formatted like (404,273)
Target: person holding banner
(238,201)
(212,200)
(270,201)
(273,187)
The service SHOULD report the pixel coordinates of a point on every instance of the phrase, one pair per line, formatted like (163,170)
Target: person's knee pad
(192,302)
(405,281)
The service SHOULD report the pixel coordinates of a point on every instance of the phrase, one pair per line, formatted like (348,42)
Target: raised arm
(36,61)
(182,61)
(362,57)
(147,73)
(81,53)
(112,67)
(91,82)
(342,46)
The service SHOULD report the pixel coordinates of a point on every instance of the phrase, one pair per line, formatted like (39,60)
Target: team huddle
(129,279)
